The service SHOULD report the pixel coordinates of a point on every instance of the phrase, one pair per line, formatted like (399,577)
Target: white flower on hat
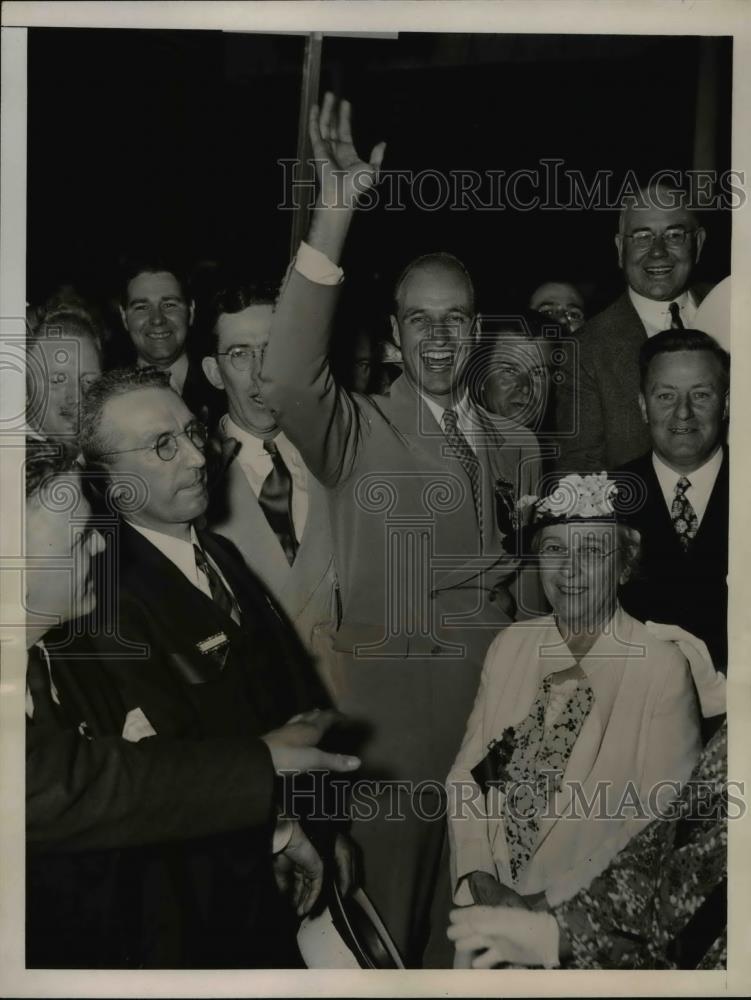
(580,496)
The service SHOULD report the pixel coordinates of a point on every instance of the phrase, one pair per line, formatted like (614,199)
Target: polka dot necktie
(682,514)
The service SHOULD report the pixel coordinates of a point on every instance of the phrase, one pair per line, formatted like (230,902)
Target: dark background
(170,140)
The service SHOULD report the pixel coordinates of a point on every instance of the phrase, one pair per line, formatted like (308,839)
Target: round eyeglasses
(644,239)
(241,356)
(590,552)
(571,315)
(166,445)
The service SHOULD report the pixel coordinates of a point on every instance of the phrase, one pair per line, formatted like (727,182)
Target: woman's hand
(499,934)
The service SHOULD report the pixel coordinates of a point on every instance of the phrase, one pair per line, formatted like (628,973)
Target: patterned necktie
(275,499)
(676,323)
(683,515)
(219,593)
(470,464)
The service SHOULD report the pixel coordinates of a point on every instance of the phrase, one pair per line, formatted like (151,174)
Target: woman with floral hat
(584,726)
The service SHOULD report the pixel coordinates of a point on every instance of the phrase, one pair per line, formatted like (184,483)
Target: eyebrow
(162,298)
(696,385)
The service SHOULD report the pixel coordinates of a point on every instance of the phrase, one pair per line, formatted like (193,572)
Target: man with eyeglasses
(63,359)
(194,650)
(268,503)
(561,301)
(659,243)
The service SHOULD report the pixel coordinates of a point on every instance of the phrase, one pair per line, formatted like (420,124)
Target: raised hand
(343,177)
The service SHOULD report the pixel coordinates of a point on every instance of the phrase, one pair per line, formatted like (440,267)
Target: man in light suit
(200,654)
(267,503)
(678,491)
(659,242)
(417,547)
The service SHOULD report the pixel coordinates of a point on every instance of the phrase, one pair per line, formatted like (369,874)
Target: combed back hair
(673,341)
(233,297)
(118,382)
(62,323)
(661,195)
(438,259)
(151,265)
(45,459)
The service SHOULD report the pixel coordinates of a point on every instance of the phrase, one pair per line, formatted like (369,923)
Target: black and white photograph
(374,563)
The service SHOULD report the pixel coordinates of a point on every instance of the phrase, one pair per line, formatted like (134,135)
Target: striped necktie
(275,500)
(219,592)
(469,461)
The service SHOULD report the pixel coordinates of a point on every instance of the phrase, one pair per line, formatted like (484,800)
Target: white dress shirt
(656,315)
(702,482)
(181,554)
(256,463)
(177,371)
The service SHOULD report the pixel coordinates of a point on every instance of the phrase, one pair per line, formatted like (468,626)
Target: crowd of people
(478,581)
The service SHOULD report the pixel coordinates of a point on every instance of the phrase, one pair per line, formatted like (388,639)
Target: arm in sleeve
(320,418)
(468,825)
(108,793)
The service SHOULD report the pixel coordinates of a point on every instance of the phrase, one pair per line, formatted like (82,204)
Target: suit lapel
(195,632)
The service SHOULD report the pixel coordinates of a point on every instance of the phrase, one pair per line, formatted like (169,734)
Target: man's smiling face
(433,324)
(658,270)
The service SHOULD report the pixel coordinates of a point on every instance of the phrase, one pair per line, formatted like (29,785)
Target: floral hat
(573,498)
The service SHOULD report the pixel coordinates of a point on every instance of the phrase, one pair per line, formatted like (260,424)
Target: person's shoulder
(515,636)
(607,322)
(661,659)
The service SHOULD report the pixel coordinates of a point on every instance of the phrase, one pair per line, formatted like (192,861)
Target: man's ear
(619,247)
(643,408)
(211,371)
(700,236)
(395,330)
(122,316)
(726,407)
(191,312)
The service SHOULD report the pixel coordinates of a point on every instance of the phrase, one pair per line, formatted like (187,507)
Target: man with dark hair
(200,655)
(659,242)
(418,550)
(268,503)
(158,313)
(677,493)
(63,358)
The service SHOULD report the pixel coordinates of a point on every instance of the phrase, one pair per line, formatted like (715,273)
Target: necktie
(682,514)
(462,451)
(275,499)
(219,593)
(676,323)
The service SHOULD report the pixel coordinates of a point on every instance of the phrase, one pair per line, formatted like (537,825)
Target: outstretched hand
(294,746)
(343,177)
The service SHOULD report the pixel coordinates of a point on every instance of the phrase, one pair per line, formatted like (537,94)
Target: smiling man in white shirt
(268,503)
(679,488)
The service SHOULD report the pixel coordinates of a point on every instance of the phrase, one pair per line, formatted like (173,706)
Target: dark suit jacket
(681,588)
(597,402)
(206,899)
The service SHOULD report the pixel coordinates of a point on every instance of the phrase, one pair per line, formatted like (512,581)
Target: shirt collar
(462,406)
(654,312)
(177,371)
(701,479)
(179,552)
(250,443)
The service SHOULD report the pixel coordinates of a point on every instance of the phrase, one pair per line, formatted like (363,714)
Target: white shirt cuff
(316,266)
(282,835)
